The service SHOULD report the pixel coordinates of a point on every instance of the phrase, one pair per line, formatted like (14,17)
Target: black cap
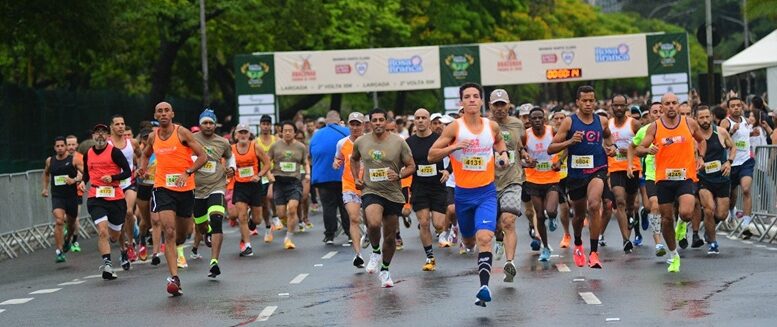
(265,118)
(99,127)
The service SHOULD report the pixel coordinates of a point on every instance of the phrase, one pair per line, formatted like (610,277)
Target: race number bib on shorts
(288,167)
(106,192)
(245,172)
(474,163)
(543,166)
(673,174)
(171,179)
(125,183)
(209,167)
(427,170)
(583,162)
(712,167)
(60,180)
(741,145)
(378,174)
(620,156)
(511,155)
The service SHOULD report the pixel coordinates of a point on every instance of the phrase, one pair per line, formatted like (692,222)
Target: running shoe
(329,240)
(579,256)
(483,296)
(660,250)
(602,241)
(544,255)
(372,266)
(697,242)
(66,247)
(713,249)
(143,253)
(247,252)
(593,261)
(208,239)
(400,244)
(406,221)
(455,234)
(358,262)
(131,255)
(277,224)
(242,246)
(681,231)
(288,244)
(675,265)
(535,245)
(232,222)
(174,286)
(746,221)
(643,215)
(364,241)
(444,240)
(499,250)
(532,232)
(214,270)
(638,240)
(75,247)
(510,272)
(195,255)
(552,224)
(430,265)
(565,241)
(155,261)
(125,263)
(268,237)
(385,279)
(107,272)
(301,227)
(60,257)
(254,232)
(633,223)
(182,262)
(627,246)
(309,225)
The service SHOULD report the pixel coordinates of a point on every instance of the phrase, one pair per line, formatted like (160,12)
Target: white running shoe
(444,240)
(372,266)
(277,224)
(499,250)
(385,279)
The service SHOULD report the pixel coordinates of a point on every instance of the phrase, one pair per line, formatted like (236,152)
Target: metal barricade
(763,197)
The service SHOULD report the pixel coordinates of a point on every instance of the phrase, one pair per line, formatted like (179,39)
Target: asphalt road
(316,285)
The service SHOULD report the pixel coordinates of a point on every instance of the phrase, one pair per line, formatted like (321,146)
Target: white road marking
(747,242)
(329,255)
(722,233)
(772,249)
(75,282)
(230,232)
(612,319)
(298,279)
(266,313)
(589,298)
(1,310)
(318,265)
(283,294)
(45,291)
(17,301)
(760,246)
(562,267)
(555,256)
(93,276)
(578,280)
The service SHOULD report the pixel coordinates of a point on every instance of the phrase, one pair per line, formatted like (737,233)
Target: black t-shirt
(58,169)
(424,175)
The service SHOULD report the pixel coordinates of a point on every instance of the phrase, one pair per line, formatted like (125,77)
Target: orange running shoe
(565,241)
(579,256)
(593,261)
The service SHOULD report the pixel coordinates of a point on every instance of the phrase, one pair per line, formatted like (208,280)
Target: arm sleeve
(86,168)
(121,161)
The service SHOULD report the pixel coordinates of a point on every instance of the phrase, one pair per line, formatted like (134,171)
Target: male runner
(266,139)
(173,196)
(252,165)
(130,149)
(387,159)
(670,139)
(71,144)
(211,182)
(471,142)
(287,155)
(63,172)
(587,139)
(148,220)
(105,166)
(714,180)
(351,196)
(428,185)
(742,168)
(557,118)
(623,185)
(508,180)
(542,175)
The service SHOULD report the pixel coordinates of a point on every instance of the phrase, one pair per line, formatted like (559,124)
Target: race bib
(265,180)
(543,166)
(583,162)
(474,163)
(209,167)
(288,167)
(427,170)
(106,192)
(712,167)
(301,169)
(60,180)
(245,172)
(741,145)
(171,179)
(125,183)
(511,154)
(675,174)
(378,174)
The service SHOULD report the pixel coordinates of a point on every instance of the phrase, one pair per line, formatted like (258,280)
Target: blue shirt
(589,148)
(323,146)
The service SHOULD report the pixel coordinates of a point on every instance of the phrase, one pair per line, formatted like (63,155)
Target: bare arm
(186,136)
(356,158)
(728,143)
(646,146)
(560,141)
(306,162)
(264,159)
(698,136)
(407,160)
(46,177)
(443,147)
(148,150)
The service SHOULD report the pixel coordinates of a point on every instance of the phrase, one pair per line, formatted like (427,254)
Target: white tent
(762,54)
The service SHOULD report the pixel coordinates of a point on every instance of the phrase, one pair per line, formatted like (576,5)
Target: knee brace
(215,223)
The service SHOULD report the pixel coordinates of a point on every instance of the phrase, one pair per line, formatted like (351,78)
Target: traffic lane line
(589,298)
(298,279)
(46,291)
(266,313)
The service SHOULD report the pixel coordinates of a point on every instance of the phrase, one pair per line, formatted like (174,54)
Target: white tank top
(538,147)
(741,140)
(622,136)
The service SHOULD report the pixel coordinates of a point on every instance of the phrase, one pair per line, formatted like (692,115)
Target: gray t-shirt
(378,156)
(288,158)
(512,130)
(212,177)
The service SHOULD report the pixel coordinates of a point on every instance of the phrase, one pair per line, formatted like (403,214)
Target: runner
(303,210)
(623,184)
(148,220)
(211,182)
(587,139)
(130,149)
(252,166)
(557,118)
(71,144)
(351,196)
(471,142)
(63,172)
(528,207)
(428,186)
(105,166)
(264,141)
(714,182)
(387,159)
(676,162)
(542,175)
(287,156)
(742,168)
(173,196)
(508,180)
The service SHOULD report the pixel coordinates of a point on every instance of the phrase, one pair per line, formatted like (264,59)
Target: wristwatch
(189,171)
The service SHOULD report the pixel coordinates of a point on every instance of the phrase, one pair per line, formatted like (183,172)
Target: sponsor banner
(365,70)
(459,64)
(254,74)
(543,61)
(667,53)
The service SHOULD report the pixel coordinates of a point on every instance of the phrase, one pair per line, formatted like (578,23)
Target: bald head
(422,122)
(163,112)
(669,104)
(332,117)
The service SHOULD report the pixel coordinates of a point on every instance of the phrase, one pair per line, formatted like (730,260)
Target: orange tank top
(247,163)
(348,183)
(622,137)
(537,146)
(100,165)
(474,166)
(676,157)
(172,160)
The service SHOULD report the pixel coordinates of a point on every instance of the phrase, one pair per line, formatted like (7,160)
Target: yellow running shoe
(675,265)
(430,265)
(268,237)
(288,244)
(182,262)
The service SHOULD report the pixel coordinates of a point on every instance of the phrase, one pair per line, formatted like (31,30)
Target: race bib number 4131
(474,163)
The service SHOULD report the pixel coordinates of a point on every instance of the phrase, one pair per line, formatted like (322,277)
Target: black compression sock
(578,241)
(429,251)
(484,267)
(594,245)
